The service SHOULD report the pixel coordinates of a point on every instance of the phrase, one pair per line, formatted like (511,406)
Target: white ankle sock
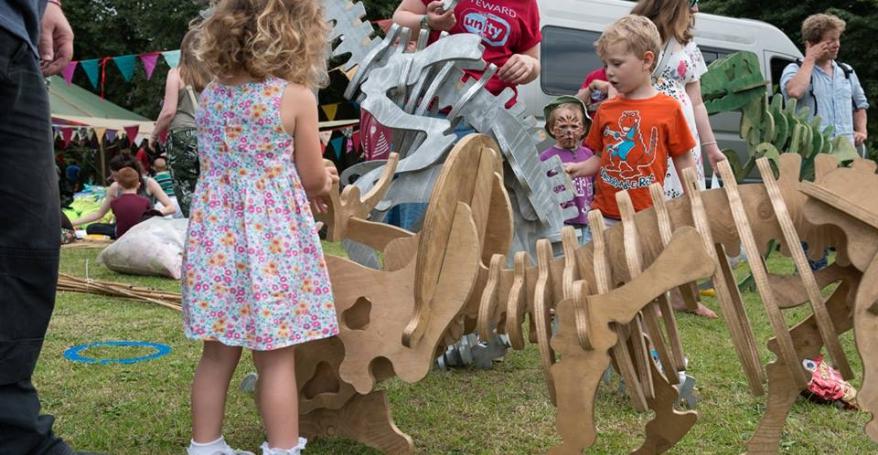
(207,448)
(266,450)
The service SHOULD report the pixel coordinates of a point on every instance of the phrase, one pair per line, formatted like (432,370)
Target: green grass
(144,408)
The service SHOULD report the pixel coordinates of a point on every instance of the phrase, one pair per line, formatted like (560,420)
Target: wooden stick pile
(75,284)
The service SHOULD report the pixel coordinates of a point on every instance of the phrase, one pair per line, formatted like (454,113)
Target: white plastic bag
(152,247)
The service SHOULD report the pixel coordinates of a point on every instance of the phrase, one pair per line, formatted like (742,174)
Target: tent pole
(102,157)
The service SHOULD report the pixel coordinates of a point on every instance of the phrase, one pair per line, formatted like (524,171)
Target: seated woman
(148,188)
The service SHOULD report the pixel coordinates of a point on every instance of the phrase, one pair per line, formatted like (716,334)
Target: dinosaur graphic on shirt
(627,169)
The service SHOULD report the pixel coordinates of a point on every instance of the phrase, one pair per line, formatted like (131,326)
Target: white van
(570,28)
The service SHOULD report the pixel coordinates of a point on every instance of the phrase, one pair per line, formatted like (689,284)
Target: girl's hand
(320,204)
(572,169)
(332,172)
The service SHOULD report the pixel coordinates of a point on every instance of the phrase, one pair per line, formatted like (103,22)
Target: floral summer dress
(683,65)
(253,270)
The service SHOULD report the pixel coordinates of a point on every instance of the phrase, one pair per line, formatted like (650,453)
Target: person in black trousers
(35,40)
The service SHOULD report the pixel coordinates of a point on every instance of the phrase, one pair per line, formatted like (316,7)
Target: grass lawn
(143,408)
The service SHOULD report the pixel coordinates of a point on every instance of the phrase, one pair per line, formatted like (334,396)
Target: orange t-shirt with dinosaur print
(634,139)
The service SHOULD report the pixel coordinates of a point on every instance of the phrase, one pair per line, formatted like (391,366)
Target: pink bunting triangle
(68,71)
(131,132)
(149,61)
(66,135)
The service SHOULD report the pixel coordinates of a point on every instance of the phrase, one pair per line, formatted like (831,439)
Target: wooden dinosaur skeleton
(609,297)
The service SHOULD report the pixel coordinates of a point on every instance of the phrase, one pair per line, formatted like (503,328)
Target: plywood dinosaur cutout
(606,296)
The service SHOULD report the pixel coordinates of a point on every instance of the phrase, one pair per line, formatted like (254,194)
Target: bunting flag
(356,139)
(131,132)
(149,61)
(330,110)
(111,135)
(66,135)
(172,58)
(68,72)
(125,63)
(99,133)
(91,70)
(336,146)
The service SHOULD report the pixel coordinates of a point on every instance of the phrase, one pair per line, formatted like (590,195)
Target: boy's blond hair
(817,24)
(638,34)
(282,38)
(128,178)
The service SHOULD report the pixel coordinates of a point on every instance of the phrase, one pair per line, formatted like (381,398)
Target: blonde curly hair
(281,38)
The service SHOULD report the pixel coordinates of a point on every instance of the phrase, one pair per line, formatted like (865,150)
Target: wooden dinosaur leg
(669,425)
(782,390)
(366,418)
(782,393)
(578,378)
(866,327)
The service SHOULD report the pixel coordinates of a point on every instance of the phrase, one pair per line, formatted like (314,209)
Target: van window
(777,66)
(567,55)
(713,53)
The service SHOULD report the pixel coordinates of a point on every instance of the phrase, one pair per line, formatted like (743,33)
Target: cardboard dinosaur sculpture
(453,277)
(604,295)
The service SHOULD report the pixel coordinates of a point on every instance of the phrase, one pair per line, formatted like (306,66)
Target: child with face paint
(567,123)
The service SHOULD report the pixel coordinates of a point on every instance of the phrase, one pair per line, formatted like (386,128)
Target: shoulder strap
(192,98)
(848,70)
(663,56)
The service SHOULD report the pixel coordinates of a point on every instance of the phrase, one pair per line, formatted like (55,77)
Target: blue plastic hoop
(74,354)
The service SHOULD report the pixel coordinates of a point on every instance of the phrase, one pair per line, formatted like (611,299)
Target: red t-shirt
(599,74)
(507,27)
(128,209)
(143,157)
(634,139)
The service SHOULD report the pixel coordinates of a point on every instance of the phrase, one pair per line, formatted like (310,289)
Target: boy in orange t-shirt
(634,133)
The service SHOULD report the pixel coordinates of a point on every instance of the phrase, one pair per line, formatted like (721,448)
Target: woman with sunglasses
(677,74)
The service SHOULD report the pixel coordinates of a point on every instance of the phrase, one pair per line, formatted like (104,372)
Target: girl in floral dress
(254,272)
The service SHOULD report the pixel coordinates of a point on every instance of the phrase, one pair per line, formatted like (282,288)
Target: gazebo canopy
(76,106)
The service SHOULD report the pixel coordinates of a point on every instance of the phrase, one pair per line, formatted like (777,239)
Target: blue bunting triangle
(125,63)
(336,146)
(91,70)
(172,58)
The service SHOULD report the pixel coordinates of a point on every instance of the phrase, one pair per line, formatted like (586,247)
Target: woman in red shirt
(510,31)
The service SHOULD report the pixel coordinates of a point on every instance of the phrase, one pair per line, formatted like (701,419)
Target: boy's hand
(572,169)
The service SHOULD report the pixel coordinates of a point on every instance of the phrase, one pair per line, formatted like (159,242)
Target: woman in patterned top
(677,75)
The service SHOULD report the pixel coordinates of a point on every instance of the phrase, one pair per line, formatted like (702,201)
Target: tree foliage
(106,28)
(117,27)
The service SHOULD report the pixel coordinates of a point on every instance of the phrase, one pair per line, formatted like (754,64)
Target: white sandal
(294,451)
